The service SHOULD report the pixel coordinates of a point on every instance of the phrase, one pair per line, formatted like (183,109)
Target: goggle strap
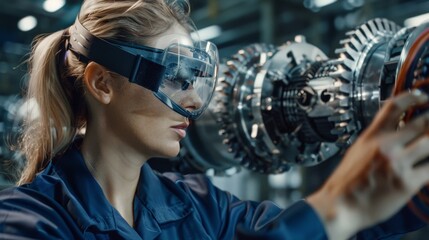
(135,67)
(147,73)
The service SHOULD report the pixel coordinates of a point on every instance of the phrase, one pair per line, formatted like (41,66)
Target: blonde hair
(55,74)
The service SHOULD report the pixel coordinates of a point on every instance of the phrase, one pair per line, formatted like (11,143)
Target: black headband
(135,67)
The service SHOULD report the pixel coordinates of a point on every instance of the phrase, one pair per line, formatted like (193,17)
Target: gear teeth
(340,50)
(224,115)
(341,117)
(349,33)
(348,64)
(338,131)
(345,88)
(369,29)
(360,36)
(356,44)
(335,74)
(344,41)
(346,76)
(343,140)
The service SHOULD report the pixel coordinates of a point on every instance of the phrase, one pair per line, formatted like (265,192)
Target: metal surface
(361,61)
(277,107)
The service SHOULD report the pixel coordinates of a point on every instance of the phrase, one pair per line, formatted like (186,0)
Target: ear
(97,82)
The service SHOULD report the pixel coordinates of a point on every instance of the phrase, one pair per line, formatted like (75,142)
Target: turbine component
(277,107)
(226,149)
(361,61)
(259,107)
(412,70)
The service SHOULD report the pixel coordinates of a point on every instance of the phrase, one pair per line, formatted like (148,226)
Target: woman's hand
(379,173)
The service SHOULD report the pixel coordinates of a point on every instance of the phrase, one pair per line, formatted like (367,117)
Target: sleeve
(231,218)
(298,221)
(25,214)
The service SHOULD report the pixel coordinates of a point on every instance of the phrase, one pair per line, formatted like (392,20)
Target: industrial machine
(282,106)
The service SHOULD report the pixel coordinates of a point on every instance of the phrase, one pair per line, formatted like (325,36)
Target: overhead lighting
(27,23)
(322,3)
(417,20)
(207,33)
(53,5)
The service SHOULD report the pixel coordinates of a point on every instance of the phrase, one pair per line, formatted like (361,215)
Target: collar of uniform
(162,197)
(88,205)
(157,196)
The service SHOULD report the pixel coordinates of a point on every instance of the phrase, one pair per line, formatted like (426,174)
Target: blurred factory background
(231,25)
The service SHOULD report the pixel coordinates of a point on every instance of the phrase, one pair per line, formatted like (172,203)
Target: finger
(421,175)
(412,130)
(389,114)
(415,152)
(386,167)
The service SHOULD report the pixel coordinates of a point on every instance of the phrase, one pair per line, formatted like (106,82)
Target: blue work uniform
(65,202)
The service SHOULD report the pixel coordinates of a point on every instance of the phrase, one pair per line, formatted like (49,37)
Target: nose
(191,100)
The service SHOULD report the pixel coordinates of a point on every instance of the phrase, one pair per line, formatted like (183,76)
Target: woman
(119,87)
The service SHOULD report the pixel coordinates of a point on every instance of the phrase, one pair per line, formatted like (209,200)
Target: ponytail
(52,129)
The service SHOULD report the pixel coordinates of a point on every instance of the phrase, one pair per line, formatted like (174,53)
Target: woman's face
(142,121)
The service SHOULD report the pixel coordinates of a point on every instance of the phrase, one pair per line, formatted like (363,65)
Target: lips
(180,129)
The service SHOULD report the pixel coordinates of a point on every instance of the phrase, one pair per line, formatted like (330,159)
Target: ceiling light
(322,3)
(53,5)
(27,23)
(207,33)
